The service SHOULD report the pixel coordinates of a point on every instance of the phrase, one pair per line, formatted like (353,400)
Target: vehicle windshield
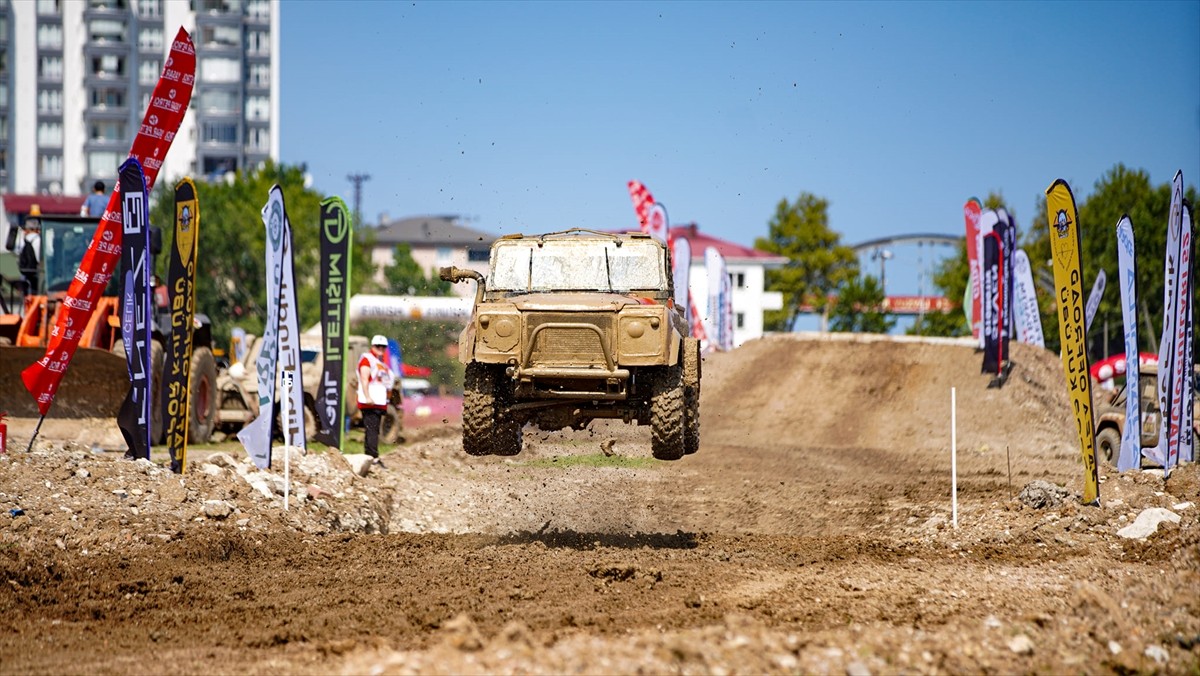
(577,265)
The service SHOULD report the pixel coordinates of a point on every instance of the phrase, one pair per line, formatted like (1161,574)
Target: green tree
(404,277)
(231,259)
(817,262)
(859,307)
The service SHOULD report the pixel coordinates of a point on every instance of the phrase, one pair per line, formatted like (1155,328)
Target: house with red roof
(747,271)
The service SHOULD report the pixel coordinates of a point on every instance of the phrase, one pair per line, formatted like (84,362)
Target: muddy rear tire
(202,396)
(691,395)
(391,427)
(667,415)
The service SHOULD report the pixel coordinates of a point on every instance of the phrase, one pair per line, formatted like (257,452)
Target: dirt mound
(854,391)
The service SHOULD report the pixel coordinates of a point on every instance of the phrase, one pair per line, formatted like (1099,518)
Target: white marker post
(953,458)
(287,435)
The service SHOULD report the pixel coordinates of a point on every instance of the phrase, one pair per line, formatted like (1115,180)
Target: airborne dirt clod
(811,533)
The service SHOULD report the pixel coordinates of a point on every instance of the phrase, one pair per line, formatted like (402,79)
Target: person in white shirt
(375,380)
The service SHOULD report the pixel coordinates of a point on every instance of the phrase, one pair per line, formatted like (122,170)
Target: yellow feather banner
(1063,219)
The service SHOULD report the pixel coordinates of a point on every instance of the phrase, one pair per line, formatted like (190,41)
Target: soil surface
(813,532)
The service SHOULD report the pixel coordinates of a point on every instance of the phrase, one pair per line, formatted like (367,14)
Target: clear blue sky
(533,116)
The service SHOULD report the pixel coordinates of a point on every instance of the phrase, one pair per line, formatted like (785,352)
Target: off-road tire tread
(479,409)
(667,415)
(203,366)
(1108,438)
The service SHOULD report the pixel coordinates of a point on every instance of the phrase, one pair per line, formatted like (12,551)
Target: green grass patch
(590,460)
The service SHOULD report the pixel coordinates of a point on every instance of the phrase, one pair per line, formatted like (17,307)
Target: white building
(747,271)
(76,77)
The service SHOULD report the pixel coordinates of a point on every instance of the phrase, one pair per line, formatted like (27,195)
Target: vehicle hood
(576,302)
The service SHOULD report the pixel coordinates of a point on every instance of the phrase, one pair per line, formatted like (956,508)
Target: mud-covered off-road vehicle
(573,326)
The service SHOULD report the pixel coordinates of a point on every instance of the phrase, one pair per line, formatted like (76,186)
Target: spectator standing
(29,250)
(96,202)
(375,380)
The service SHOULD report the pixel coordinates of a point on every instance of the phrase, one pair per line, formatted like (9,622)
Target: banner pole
(29,448)
(954,457)
(287,441)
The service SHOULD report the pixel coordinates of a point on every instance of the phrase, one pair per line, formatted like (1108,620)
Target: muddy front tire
(479,408)
(667,415)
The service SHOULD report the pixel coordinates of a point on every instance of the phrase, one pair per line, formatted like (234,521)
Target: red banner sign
(163,117)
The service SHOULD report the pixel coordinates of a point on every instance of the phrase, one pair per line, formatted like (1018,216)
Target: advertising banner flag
(681,271)
(1093,301)
(1063,220)
(993,304)
(1187,442)
(167,106)
(697,321)
(256,436)
(181,282)
(1181,369)
(972,210)
(136,332)
(987,222)
(1131,441)
(642,202)
(1008,242)
(657,225)
(1028,317)
(292,405)
(1166,347)
(337,236)
(720,318)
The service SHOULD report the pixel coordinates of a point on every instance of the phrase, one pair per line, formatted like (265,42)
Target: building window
(149,9)
(103,163)
(107,4)
(219,6)
(48,7)
(737,280)
(148,71)
(219,101)
(50,101)
(219,132)
(50,68)
(258,109)
(258,140)
(106,30)
(108,97)
(218,166)
(260,75)
(445,254)
(477,255)
(50,134)
(218,37)
(150,39)
(108,65)
(50,167)
(107,130)
(3,129)
(49,36)
(3,94)
(258,9)
(258,43)
(740,320)
(220,70)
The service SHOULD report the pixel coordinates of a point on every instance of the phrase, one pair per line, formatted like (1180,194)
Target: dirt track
(810,534)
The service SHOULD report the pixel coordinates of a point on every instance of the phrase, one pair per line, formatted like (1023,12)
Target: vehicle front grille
(576,344)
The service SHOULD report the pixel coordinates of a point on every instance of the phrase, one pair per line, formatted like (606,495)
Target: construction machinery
(97,381)
(572,326)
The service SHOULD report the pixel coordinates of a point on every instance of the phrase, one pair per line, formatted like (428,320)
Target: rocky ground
(812,533)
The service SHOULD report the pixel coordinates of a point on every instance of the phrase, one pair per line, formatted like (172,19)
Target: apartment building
(76,77)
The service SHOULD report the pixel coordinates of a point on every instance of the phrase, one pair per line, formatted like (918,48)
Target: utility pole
(358,180)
